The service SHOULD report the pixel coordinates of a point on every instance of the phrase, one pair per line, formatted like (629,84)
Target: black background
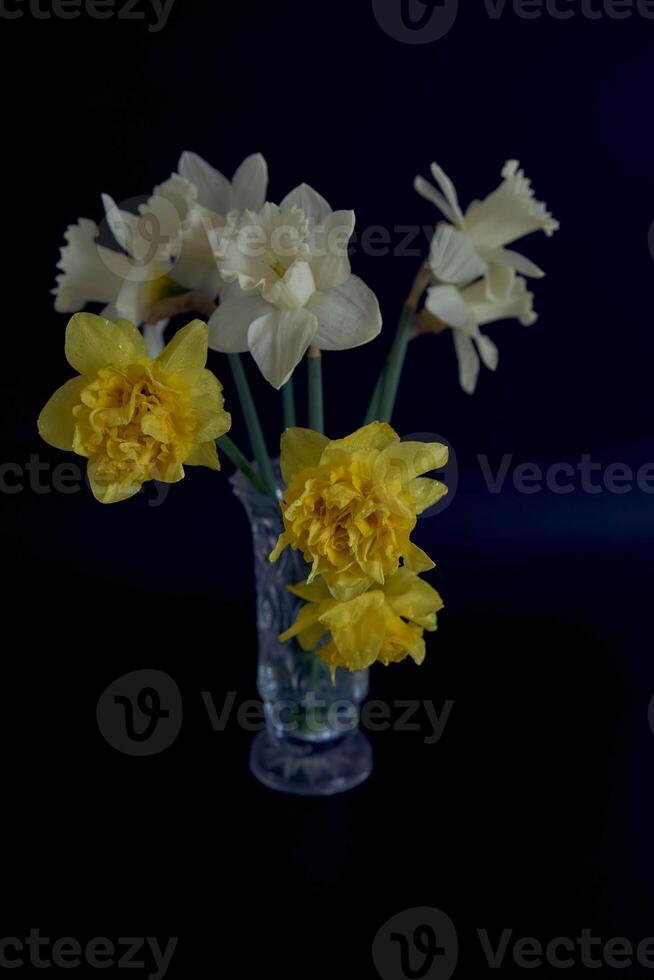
(535,809)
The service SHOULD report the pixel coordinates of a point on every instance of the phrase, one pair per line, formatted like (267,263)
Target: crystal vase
(311,744)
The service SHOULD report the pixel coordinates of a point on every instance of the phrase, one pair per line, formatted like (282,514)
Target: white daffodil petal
(348,315)
(487,351)
(294,290)
(158,231)
(329,248)
(468,361)
(194,266)
(498,286)
(153,336)
(429,192)
(250,183)
(279,341)
(512,260)
(86,275)
(448,189)
(133,301)
(229,325)
(214,190)
(448,304)
(123,224)
(179,192)
(311,202)
(453,258)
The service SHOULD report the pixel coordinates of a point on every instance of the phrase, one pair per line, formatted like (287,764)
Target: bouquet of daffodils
(275,280)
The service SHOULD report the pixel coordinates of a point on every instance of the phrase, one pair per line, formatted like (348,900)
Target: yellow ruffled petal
(56,423)
(376,435)
(109,491)
(346,585)
(204,454)
(208,404)
(330,655)
(412,598)
(301,449)
(173,472)
(402,640)
(426,492)
(358,629)
(187,351)
(317,591)
(416,560)
(282,542)
(307,617)
(311,637)
(93,342)
(411,459)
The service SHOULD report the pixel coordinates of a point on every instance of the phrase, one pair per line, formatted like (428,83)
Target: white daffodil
(292,285)
(473,242)
(165,246)
(131,281)
(215,198)
(466,310)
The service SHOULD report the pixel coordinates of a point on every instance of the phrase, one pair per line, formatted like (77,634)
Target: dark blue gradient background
(536,809)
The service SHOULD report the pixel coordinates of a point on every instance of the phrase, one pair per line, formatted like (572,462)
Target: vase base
(309,769)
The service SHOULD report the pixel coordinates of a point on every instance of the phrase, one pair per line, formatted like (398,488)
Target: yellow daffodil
(351,504)
(133,418)
(385,624)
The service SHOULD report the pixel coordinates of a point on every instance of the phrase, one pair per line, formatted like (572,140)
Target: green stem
(316,409)
(375,401)
(288,402)
(395,364)
(232,452)
(253,424)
